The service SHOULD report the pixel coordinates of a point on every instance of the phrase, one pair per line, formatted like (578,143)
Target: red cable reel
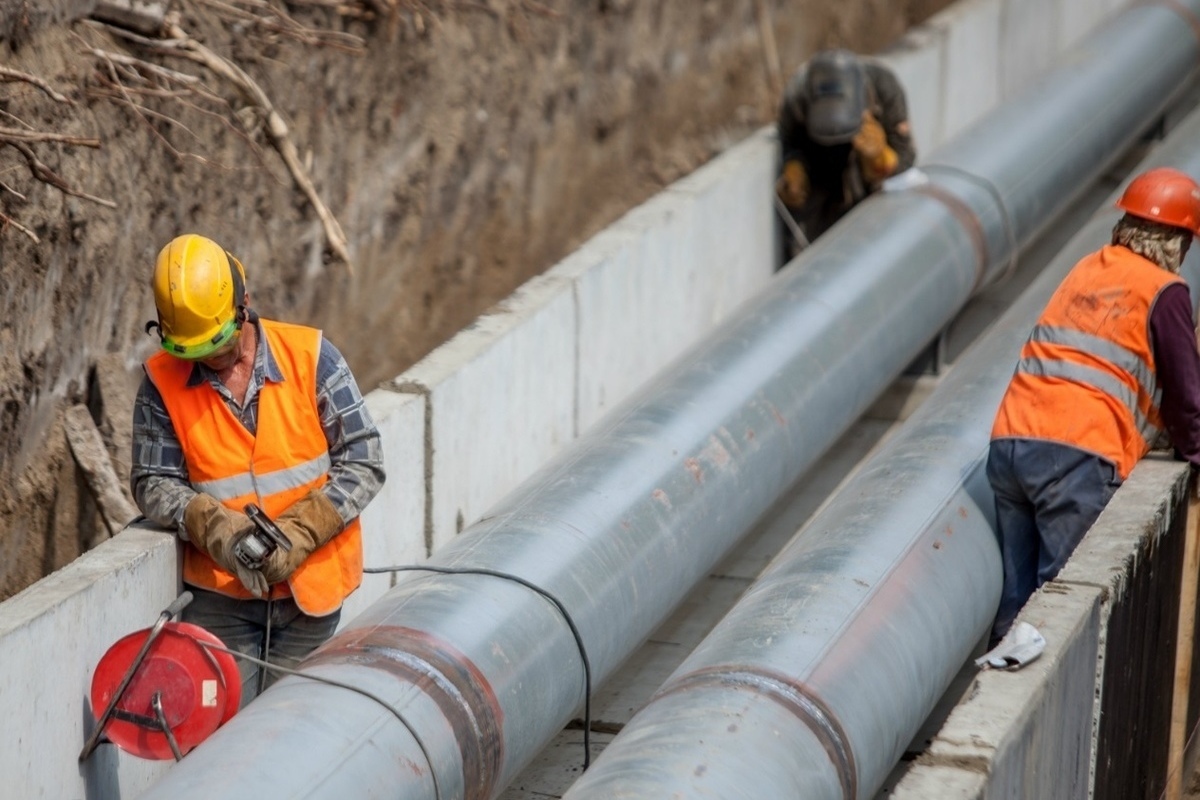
(162,691)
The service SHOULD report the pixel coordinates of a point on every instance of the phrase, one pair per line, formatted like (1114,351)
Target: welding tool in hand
(255,548)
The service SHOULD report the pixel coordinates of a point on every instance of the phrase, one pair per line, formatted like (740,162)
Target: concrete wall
(1037,732)
(480,414)
(975,54)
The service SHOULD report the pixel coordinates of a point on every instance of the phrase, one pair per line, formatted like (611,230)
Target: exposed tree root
(7,220)
(259,112)
(21,138)
(270,22)
(277,130)
(7,75)
(46,175)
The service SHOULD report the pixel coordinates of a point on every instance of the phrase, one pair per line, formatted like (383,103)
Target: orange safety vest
(288,458)
(1087,377)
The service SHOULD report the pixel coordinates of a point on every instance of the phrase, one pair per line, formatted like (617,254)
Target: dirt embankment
(463,147)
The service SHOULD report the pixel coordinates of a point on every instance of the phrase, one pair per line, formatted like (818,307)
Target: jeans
(1047,497)
(242,626)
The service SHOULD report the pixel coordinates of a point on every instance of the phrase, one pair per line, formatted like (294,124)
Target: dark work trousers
(1047,497)
(241,625)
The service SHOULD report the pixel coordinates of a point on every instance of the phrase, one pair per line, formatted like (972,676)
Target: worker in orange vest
(1110,365)
(236,409)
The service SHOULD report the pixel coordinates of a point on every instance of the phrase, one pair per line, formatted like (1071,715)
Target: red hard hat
(1164,195)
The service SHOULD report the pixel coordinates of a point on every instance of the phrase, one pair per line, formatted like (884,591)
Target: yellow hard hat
(199,290)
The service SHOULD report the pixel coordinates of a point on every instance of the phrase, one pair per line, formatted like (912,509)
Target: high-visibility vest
(1086,376)
(285,460)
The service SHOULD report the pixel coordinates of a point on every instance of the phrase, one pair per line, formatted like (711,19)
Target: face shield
(836,92)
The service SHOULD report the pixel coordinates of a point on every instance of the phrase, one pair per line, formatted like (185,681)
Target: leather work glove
(878,159)
(792,186)
(216,530)
(308,523)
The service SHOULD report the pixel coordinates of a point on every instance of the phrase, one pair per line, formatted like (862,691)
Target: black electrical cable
(587,667)
(263,665)
(562,609)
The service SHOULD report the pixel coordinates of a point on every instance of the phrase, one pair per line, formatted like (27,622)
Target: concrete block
(501,402)
(917,59)
(639,294)
(1029,42)
(669,270)
(394,522)
(971,70)
(1138,510)
(52,636)
(660,278)
(926,781)
(735,223)
(1026,733)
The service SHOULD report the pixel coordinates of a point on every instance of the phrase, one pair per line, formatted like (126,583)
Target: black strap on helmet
(239,289)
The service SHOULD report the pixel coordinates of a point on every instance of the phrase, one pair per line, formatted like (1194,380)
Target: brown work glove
(878,160)
(792,186)
(308,523)
(216,529)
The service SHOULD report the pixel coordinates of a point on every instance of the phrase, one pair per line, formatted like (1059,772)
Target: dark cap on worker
(837,94)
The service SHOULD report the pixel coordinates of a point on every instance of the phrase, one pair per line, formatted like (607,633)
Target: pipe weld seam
(965,216)
(1188,15)
(971,220)
(794,696)
(455,685)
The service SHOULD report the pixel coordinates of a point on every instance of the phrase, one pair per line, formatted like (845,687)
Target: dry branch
(7,74)
(87,446)
(17,135)
(47,175)
(274,21)
(7,220)
(348,10)
(147,18)
(140,65)
(183,46)
(180,45)
(153,77)
(11,191)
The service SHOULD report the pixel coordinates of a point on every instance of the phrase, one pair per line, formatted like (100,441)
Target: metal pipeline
(817,679)
(470,675)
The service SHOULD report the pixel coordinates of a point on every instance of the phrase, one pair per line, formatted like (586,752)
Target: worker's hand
(308,523)
(253,579)
(792,186)
(216,530)
(878,159)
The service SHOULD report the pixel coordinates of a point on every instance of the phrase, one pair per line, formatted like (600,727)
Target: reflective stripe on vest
(272,483)
(1086,376)
(1096,378)
(287,458)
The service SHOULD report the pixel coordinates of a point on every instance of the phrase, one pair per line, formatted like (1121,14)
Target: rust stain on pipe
(451,680)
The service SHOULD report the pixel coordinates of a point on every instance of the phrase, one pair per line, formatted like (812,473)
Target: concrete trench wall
(478,415)
(1091,716)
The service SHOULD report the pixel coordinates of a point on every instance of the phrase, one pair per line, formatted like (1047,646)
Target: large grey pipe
(817,679)
(479,672)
